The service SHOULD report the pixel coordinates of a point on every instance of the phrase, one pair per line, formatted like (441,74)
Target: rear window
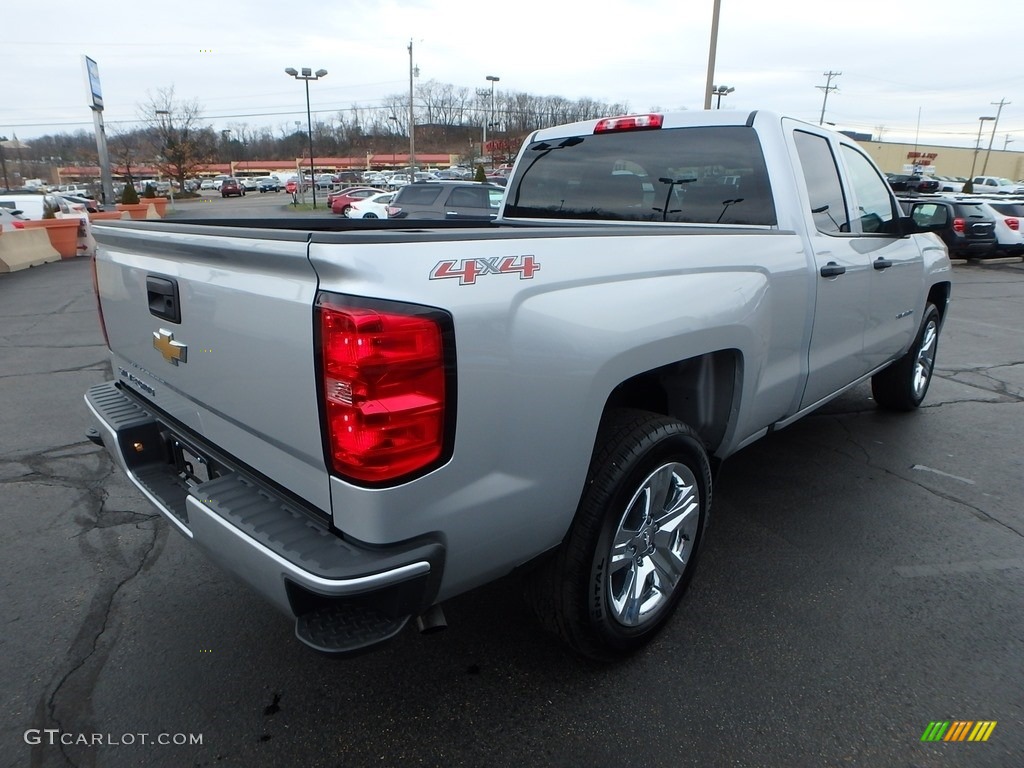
(417,194)
(968,210)
(1009,209)
(680,175)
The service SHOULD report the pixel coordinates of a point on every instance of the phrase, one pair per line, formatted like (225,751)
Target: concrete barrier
(24,248)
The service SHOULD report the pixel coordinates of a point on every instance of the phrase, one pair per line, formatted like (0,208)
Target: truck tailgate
(212,327)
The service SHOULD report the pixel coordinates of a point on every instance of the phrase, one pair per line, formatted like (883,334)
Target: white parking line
(923,468)
(976,566)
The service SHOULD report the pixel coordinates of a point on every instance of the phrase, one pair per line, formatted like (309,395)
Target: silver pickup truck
(364,419)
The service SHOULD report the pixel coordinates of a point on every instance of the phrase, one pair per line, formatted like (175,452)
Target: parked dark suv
(968,231)
(446,200)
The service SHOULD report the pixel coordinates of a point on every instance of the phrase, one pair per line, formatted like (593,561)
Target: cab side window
(875,209)
(465,197)
(828,204)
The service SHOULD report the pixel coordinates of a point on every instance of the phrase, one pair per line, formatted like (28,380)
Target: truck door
(897,266)
(842,271)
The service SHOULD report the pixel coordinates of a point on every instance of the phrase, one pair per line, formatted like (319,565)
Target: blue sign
(92,76)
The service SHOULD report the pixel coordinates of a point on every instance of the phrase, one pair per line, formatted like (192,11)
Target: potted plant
(149,197)
(130,203)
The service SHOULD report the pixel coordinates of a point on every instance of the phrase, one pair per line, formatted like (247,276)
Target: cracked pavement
(863,576)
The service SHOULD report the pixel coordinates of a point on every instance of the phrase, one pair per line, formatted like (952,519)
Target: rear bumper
(967,249)
(257,532)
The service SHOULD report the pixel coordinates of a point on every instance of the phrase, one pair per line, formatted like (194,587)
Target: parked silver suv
(447,200)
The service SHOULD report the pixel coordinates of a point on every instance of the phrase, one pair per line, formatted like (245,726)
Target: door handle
(881,263)
(832,270)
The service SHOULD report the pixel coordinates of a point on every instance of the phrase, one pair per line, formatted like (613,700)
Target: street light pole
(225,137)
(162,113)
(977,148)
(412,120)
(720,91)
(712,52)
(490,116)
(307,75)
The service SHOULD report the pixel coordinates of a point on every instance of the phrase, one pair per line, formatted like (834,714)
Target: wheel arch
(699,391)
(939,295)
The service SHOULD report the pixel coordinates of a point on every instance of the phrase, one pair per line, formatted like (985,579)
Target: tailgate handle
(163,298)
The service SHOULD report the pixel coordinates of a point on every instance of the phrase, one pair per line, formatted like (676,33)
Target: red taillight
(18,224)
(628,123)
(1013,223)
(959,225)
(384,388)
(393,211)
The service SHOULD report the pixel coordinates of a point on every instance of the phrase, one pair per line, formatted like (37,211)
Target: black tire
(903,385)
(623,567)
(369,215)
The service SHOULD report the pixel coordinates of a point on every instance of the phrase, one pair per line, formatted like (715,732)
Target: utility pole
(1002,103)
(3,162)
(827,87)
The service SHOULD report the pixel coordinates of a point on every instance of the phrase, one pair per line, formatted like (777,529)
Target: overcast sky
(911,69)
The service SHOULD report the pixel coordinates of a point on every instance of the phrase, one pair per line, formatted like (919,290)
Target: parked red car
(230,187)
(342,200)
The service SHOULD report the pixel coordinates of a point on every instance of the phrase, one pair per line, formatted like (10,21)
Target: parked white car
(996,185)
(9,220)
(1009,216)
(398,180)
(375,207)
(32,206)
(950,183)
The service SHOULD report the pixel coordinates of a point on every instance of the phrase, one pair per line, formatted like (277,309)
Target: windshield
(682,175)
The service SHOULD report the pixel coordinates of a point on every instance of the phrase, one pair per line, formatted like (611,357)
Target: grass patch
(308,207)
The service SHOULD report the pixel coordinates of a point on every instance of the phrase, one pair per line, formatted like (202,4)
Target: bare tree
(183,142)
(128,149)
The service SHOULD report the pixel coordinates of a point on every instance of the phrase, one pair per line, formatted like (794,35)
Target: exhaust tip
(432,621)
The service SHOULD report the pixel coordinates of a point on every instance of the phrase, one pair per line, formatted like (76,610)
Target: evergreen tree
(129,196)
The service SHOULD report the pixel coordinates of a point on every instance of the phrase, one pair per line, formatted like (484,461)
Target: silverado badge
(174,352)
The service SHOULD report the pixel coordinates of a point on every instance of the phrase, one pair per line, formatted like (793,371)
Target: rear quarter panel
(537,359)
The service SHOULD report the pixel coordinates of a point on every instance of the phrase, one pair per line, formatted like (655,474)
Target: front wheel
(369,215)
(903,385)
(632,548)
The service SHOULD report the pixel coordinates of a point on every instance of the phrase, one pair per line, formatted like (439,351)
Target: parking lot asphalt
(863,578)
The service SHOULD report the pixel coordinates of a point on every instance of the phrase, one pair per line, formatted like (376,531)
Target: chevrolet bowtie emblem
(174,352)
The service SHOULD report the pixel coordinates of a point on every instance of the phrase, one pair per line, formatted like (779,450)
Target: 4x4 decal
(469,269)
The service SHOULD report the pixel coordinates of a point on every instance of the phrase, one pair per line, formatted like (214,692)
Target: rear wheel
(632,548)
(903,385)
